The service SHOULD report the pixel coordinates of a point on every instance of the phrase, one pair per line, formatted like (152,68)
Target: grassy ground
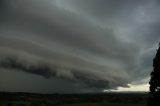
(79,104)
(24,99)
(105,104)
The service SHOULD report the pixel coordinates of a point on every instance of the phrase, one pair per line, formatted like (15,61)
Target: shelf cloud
(93,45)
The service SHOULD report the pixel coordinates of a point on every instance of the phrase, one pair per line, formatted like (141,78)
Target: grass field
(106,104)
(79,104)
(107,99)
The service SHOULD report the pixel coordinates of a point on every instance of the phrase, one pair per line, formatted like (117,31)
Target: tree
(154,94)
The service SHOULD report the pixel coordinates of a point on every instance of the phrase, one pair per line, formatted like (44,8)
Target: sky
(77,46)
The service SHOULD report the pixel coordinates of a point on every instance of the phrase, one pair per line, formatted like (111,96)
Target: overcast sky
(76,46)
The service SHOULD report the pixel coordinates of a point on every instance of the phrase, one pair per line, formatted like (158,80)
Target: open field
(106,104)
(107,99)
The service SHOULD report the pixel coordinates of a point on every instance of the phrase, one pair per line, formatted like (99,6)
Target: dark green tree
(154,94)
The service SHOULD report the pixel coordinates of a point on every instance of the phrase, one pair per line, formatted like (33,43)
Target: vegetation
(154,97)
(107,99)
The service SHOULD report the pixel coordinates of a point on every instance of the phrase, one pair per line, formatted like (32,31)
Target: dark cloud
(90,45)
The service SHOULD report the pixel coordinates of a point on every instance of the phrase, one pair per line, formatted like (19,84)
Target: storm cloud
(90,45)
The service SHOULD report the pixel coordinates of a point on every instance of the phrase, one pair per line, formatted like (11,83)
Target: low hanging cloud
(59,39)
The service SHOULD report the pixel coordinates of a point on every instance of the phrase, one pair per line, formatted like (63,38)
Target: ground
(104,99)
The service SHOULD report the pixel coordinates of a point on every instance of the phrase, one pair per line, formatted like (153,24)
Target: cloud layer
(95,44)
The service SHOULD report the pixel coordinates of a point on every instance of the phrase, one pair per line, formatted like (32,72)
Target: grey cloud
(19,81)
(100,44)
